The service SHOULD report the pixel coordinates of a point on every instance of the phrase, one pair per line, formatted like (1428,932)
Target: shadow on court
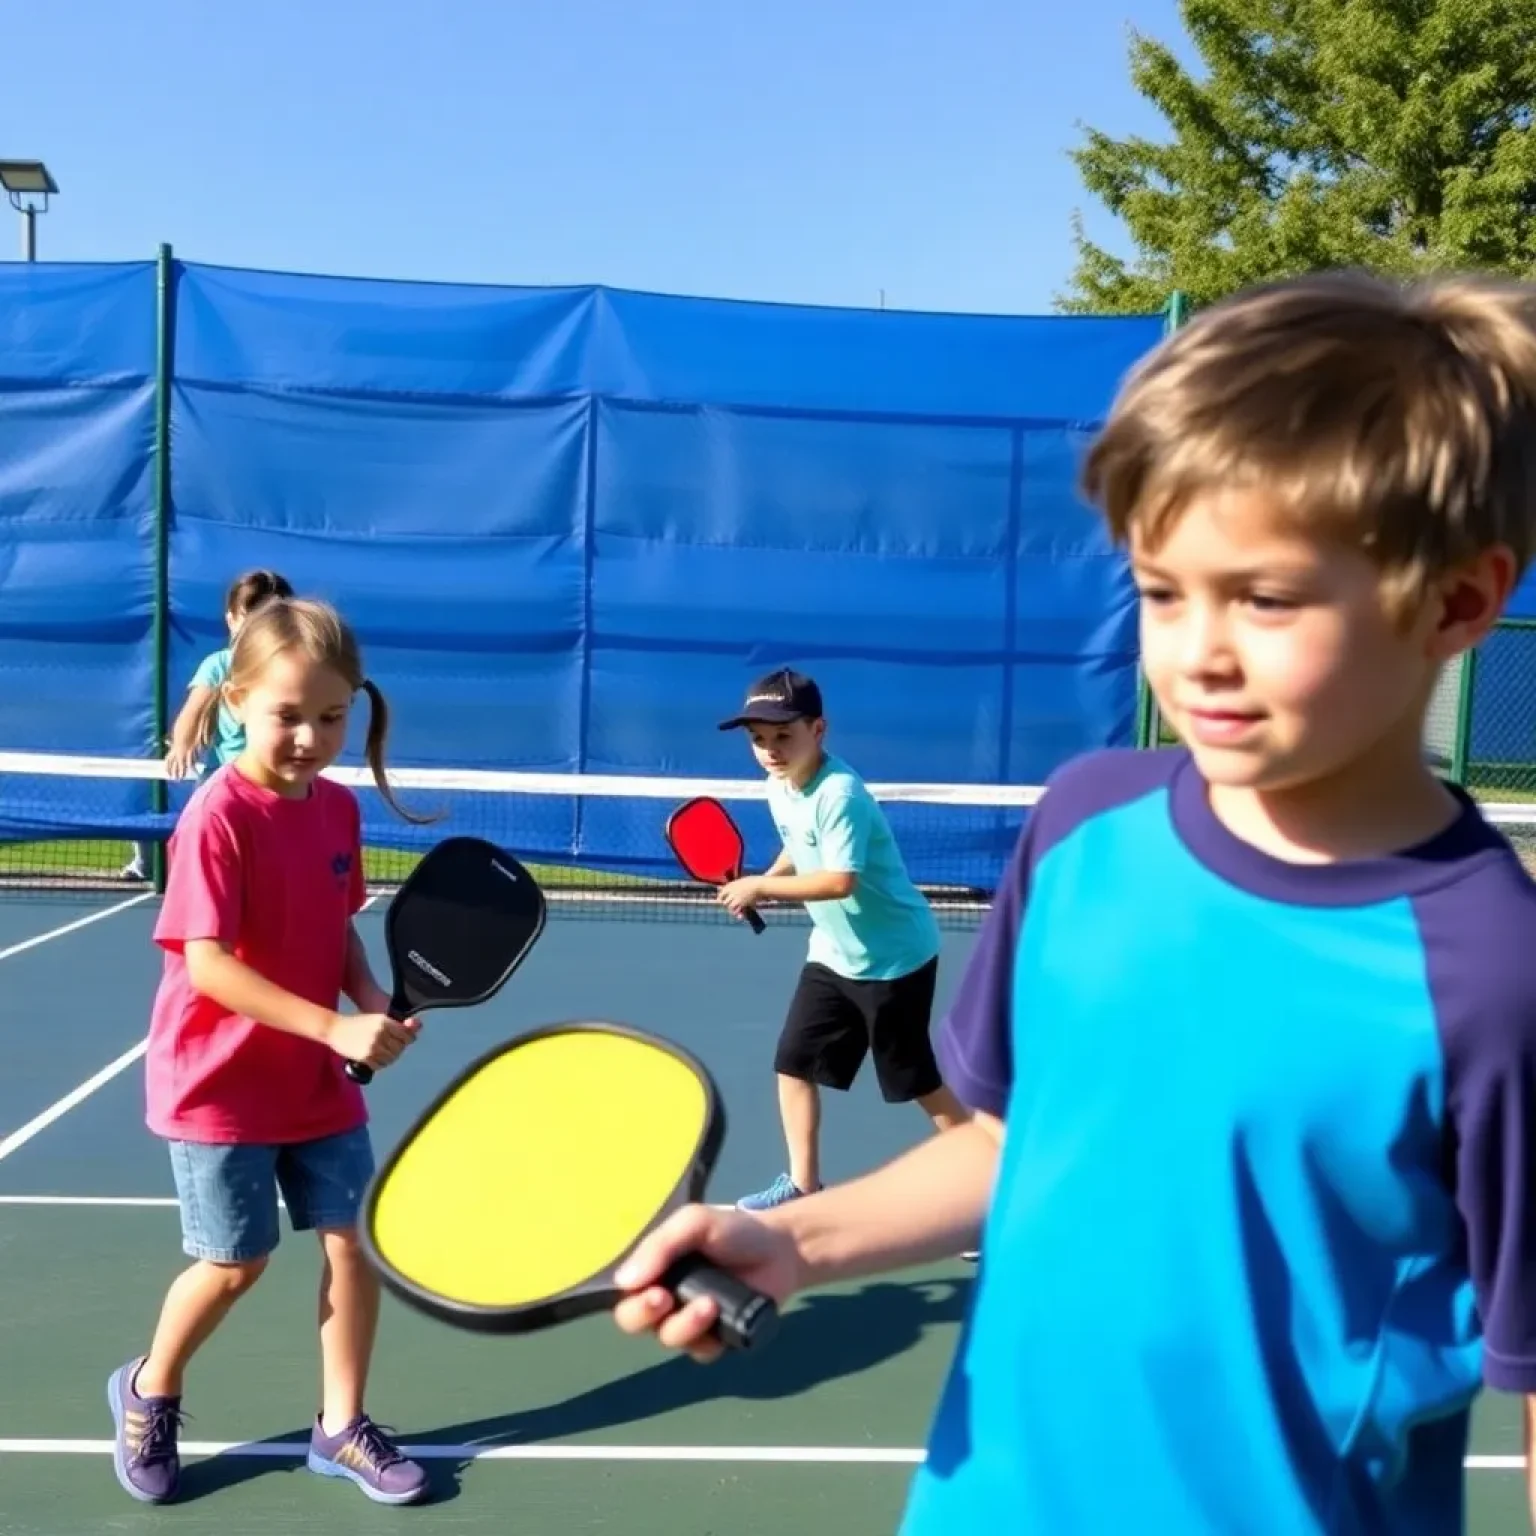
(823,1338)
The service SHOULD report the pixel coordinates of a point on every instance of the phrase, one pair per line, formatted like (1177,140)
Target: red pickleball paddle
(709,845)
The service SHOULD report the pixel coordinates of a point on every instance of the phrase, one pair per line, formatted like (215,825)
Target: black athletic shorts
(833,1022)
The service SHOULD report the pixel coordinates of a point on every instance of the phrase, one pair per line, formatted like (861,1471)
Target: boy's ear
(1472,598)
(818,729)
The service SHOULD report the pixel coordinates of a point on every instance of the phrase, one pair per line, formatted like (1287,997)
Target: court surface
(577,1429)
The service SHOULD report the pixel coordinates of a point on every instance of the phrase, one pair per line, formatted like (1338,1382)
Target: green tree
(1390,134)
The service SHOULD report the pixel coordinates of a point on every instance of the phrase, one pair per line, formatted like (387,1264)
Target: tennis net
(595,842)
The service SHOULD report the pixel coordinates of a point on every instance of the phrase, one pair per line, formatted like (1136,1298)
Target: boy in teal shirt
(867,986)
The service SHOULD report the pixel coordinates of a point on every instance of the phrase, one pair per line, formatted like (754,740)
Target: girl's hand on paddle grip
(374,1039)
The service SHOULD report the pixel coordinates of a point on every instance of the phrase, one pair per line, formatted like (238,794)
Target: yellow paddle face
(540,1170)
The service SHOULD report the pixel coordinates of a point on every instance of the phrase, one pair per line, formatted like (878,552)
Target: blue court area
(577,1429)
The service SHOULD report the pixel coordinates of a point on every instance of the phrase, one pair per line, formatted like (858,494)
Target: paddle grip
(747,1318)
(752,915)
(399,1008)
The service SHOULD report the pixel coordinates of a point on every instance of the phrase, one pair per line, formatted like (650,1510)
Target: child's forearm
(926,1205)
(184,728)
(359,983)
(230,982)
(779,882)
(821,885)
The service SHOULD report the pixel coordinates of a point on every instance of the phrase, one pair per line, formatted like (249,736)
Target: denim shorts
(228,1194)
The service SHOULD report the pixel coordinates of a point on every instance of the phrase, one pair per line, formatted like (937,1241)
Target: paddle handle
(747,1318)
(399,1008)
(751,913)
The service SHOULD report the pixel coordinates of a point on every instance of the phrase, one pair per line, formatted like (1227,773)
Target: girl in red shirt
(245,1069)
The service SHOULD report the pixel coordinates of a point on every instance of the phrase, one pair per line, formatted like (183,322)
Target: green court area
(575,1430)
(578,1429)
(100,861)
(572,1431)
(78,864)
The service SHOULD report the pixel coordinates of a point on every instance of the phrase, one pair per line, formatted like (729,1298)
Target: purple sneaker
(366,1454)
(144,1455)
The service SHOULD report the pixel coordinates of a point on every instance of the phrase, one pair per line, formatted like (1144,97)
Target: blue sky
(813,151)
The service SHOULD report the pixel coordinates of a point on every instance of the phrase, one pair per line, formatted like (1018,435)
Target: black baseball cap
(777,699)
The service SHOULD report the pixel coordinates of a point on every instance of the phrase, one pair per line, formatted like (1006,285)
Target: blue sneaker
(364,1454)
(780,1192)
(144,1453)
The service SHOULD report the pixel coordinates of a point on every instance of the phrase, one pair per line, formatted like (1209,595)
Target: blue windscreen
(571,525)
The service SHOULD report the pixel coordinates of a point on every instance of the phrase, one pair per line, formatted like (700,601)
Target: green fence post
(1149,728)
(164,364)
(1461,745)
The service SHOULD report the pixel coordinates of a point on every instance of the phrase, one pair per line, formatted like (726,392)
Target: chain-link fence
(1498,730)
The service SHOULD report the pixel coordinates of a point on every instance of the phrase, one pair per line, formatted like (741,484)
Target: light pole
(29,186)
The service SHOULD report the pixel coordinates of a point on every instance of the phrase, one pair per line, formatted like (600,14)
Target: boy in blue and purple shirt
(1250,1033)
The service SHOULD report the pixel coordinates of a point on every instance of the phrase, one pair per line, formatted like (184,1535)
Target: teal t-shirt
(229,740)
(885,928)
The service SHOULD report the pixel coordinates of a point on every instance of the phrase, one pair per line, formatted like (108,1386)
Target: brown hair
(1400,419)
(254,587)
(279,625)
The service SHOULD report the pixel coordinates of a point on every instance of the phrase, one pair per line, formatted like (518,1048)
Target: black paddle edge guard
(748,1319)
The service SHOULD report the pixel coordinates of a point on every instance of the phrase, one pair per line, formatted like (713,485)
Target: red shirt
(278,880)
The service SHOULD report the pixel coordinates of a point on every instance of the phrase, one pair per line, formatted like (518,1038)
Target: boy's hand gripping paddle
(709,845)
(458,927)
(509,1205)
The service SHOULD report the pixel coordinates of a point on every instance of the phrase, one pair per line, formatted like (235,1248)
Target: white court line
(120,1202)
(294,1449)
(38,1123)
(19,1138)
(24,1134)
(96,917)
(140,1201)
(841,1455)
(79,922)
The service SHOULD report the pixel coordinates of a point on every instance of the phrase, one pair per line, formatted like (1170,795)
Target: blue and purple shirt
(1264,1220)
